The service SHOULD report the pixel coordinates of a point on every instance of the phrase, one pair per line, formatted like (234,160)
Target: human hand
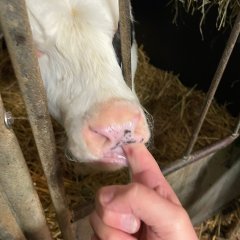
(146,209)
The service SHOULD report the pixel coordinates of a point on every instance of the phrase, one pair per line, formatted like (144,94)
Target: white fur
(78,66)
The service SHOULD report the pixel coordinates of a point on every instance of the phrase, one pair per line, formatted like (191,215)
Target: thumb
(138,203)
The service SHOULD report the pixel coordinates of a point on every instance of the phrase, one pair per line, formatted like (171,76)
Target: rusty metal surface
(18,187)
(198,155)
(18,36)
(9,228)
(125,36)
(215,82)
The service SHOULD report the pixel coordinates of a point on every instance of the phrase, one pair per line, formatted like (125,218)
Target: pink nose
(116,123)
(119,134)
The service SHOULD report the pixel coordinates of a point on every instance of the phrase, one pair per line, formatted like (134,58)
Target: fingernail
(106,196)
(128,149)
(129,223)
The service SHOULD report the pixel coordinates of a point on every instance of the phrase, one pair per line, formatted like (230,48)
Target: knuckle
(134,188)
(182,219)
(133,191)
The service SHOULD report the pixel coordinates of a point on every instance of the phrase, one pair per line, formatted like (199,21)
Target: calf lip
(116,157)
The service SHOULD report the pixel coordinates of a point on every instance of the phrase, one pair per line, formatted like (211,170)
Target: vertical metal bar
(237,128)
(17,32)
(125,37)
(9,228)
(18,187)
(214,85)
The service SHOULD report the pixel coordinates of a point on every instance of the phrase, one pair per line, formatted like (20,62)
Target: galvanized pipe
(125,38)
(17,32)
(198,155)
(9,228)
(18,187)
(214,85)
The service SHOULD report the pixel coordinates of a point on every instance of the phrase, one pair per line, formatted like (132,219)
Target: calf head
(83,80)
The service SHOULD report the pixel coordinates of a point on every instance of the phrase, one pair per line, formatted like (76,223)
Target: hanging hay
(226,10)
(174,108)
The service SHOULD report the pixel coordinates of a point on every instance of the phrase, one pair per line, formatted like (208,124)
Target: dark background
(180,48)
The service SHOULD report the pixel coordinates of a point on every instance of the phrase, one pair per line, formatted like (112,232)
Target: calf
(76,43)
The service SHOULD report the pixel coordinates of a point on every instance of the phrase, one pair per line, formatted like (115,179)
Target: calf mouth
(113,159)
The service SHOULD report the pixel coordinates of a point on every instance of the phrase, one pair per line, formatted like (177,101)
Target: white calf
(84,82)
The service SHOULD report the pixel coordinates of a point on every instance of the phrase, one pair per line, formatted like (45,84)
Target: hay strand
(227,10)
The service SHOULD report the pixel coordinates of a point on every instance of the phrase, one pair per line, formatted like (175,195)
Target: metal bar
(198,155)
(9,228)
(17,32)
(82,211)
(18,187)
(237,128)
(214,85)
(125,37)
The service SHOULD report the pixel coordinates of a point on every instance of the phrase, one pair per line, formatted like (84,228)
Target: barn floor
(174,109)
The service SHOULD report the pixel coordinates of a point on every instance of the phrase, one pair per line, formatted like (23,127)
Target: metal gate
(19,202)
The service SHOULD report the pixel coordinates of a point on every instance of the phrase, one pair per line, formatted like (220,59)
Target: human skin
(146,209)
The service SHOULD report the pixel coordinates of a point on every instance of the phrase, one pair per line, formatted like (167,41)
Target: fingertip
(130,148)
(139,158)
(131,151)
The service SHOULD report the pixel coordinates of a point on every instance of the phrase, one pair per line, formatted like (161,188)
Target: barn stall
(175,110)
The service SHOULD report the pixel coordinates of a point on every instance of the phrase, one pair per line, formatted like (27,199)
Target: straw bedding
(174,109)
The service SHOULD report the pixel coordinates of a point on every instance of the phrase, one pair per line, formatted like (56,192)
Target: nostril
(100,137)
(111,133)
(114,136)
(126,132)
(128,137)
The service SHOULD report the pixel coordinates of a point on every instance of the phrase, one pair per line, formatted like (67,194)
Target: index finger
(145,170)
(140,159)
